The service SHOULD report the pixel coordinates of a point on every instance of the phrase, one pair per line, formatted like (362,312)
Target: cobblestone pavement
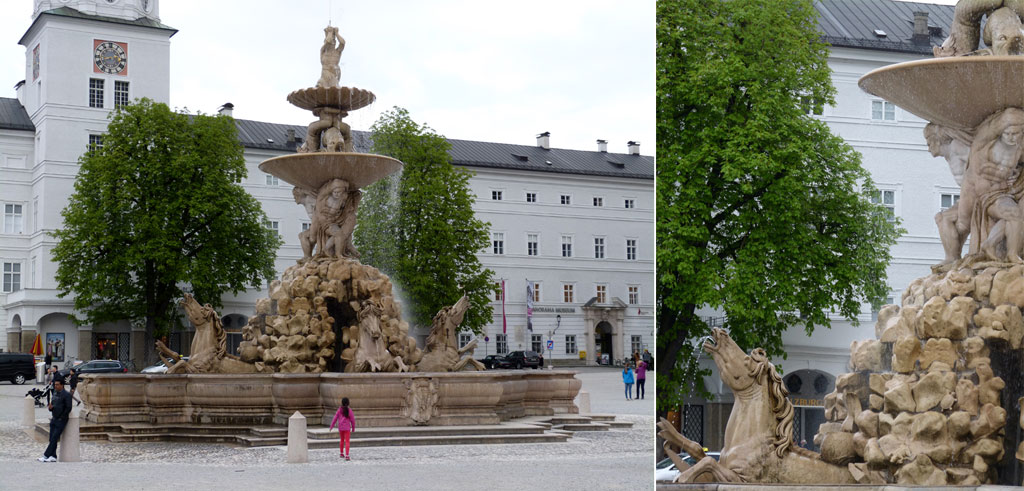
(616,459)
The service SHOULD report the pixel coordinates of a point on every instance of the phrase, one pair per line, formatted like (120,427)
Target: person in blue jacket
(627,378)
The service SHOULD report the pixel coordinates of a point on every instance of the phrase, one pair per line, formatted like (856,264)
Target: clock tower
(84,58)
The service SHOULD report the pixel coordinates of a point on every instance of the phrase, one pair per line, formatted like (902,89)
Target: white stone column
(28,415)
(69,449)
(298,445)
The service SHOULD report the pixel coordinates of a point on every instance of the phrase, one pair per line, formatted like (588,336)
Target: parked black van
(17,367)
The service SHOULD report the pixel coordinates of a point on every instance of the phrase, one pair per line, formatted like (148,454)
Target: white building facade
(85,57)
(912,183)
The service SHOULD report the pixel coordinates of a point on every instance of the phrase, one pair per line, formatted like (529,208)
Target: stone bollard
(28,415)
(69,449)
(298,446)
(583,402)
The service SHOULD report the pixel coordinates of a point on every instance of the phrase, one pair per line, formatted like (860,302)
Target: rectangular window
(497,291)
(532,241)
(566,199)
(629,203)
(811,106)
(566,246)
(598,201)
(636,343)
(498,242)
(273,225)
(501,340)
(272,180)
(464,339)
(95,142)
(95,92)
(886,198)
(536,292)
(602,293)
(305,226)
(120,93)
(36,226)
(531,197)
(634,295)
(536,343)
(631,249)
(12,277)
(883,111)
(13,221)
(567,293)
(496,195)
(33,268)
(948,200)
(570,344)
(598,247)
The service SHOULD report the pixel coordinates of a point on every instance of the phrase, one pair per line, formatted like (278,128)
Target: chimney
(544,140)
(921,35)
(291,135)
(226,109)
(634,147)
(602,146)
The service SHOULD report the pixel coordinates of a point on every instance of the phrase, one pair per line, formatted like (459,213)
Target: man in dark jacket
(61,409)
(73,384)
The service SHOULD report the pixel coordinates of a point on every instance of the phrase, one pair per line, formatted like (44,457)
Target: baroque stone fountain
(331,326)
(935,399)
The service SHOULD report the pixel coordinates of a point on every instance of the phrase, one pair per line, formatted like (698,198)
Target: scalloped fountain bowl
(944,90)
(343,98)
(312,170)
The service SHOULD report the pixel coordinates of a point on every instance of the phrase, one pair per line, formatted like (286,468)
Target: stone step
(411,431)
(583,427)
(600,417)
(445,440)
(566,419)
(619,424)
(130,428)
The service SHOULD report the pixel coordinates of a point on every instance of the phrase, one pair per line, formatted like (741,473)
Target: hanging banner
(504,321)
(529,306)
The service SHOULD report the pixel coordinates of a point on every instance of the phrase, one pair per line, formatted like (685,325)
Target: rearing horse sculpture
(759,435)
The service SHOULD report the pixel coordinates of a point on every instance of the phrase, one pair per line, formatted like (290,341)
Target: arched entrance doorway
(603,342)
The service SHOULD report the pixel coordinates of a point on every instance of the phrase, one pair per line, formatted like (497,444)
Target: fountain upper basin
(945,90)
(312,170)
(343,98)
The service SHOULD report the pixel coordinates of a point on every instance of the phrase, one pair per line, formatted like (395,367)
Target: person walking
(648,359)
(73,384)
(641,377)
(346,422)
(627,378)
(60,409)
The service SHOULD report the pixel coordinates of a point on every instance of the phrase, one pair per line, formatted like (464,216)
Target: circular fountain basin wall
(312,170)
(959,92)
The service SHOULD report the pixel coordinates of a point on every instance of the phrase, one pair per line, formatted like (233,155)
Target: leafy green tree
(157,207)
(763,214)
(420,228)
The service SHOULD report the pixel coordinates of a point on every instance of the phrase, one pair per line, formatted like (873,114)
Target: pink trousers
(345,442)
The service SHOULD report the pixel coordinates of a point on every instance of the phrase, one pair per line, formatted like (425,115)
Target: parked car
(666,470)
(159,367)
(520,359)
(492,361)
(98,366)
(17,367)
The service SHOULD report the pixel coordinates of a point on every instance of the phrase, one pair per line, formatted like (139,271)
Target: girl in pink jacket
(346,422)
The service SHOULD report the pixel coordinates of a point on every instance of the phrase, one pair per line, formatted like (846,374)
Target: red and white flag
(504,321)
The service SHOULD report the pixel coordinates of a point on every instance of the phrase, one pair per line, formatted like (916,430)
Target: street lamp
(551,344)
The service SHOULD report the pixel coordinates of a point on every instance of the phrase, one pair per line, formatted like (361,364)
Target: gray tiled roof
(851,23)
(70,12)
(273,136)
(13,116)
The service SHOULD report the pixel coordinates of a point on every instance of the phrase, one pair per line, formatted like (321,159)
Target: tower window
(95,92)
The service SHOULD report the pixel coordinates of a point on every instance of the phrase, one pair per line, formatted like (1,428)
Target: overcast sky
(473,70)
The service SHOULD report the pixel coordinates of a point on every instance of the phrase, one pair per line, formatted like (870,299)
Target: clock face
(110,57)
